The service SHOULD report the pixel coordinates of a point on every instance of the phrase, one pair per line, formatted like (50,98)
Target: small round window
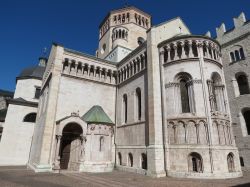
(103,48)
(140,40)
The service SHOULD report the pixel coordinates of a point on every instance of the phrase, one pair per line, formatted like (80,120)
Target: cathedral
(151,101)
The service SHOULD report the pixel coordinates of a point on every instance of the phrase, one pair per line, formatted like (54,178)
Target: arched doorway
(71,144)
(230,162)
(195,162)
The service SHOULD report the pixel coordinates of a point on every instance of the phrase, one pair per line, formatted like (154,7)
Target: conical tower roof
(96,115)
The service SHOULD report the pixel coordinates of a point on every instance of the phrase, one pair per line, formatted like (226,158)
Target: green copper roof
(96,115)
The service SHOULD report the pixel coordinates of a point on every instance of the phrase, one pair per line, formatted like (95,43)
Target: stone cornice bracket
(197,81)
(171,84)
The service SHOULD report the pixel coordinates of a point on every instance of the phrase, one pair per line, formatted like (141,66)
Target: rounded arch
(230,162)
(61,124)
(182,76)
(31,117)
(242,81)
(216,78)
(138,103)
(72,128)
(186,92)
(246,114)
(195,162)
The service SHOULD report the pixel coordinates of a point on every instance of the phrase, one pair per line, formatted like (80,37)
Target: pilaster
(155,150)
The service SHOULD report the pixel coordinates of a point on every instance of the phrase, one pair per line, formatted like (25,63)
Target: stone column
(168,51)
(205,93)
(132,68)
(121,75)
(95,71)
(100,73)
(105,74)
(162,56)
(82,151)
(183,55)
(69,69)
(211,95)
(57,155)
(190,52)
(76,68)
(175,51)
(135,67)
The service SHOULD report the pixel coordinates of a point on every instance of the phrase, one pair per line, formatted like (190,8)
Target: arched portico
(70,142)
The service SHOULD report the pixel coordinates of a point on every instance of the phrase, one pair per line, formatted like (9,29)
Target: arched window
(125,108)
(30,118)
(144,162)
(216,93)
(195,162)
(237,55)
(242,162)
(230,162)
(120,158)
(242,55)
(186,92)
(138,103)
(65,64)
(184,96)
(195,50)
(246,114)
(242,83)
(140,40)
(101,142)
(130,160)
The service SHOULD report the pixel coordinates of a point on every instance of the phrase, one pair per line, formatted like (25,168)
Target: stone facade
(162,90)
(235,50)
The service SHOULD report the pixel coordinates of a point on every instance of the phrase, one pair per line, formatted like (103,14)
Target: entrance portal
(70,146)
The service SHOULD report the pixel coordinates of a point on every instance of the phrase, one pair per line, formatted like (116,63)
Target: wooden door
(65,154)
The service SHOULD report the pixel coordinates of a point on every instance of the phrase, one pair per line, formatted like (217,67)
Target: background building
(4,96)
(235,45)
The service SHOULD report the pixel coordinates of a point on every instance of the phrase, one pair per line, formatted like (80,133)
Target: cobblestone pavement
(20,177)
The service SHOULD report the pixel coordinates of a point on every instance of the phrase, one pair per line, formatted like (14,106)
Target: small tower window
(242,55)
(37,92)
(101,143)
(125,108)
(232,57)
(237,55)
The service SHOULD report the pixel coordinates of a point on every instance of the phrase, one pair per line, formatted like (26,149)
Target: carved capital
(172,84)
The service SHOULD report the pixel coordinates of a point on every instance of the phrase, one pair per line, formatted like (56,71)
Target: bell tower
(122,31)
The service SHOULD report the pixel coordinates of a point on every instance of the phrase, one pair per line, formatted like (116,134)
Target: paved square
(21,177)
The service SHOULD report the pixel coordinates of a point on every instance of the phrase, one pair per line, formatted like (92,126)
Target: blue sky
(27,26)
